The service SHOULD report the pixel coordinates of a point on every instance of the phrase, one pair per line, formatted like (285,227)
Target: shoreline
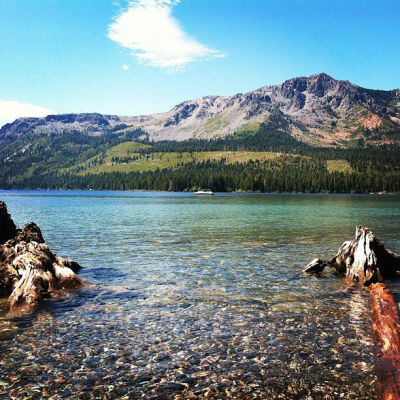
(217,193)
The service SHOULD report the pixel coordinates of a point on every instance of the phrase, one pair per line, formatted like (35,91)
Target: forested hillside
(310,134)
(267,159)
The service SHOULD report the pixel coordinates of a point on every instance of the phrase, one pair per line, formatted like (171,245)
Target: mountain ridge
(318,110)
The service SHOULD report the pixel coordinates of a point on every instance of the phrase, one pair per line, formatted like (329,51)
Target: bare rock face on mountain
(29,271)
(317,109)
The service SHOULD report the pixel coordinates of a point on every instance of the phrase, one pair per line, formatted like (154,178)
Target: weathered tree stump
(366,261)
(29,271)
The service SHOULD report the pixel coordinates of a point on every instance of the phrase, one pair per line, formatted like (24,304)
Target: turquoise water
(196,297)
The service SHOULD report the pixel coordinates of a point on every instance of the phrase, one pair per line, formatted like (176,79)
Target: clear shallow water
(198,297)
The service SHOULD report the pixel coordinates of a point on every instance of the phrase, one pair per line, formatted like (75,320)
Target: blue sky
(144,56)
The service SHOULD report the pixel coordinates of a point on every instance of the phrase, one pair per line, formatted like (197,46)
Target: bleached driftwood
(364,259)
(29,271)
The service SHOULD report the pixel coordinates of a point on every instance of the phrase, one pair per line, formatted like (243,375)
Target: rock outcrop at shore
(29,270)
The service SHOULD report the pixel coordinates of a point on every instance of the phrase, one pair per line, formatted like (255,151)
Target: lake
(196,297)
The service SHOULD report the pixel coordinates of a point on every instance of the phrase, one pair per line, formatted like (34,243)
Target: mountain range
(318,110)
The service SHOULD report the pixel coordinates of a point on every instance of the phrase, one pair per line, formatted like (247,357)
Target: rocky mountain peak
(318,109)
(321,84)
(318,85)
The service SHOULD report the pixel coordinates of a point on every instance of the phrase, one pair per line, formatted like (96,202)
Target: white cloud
(11,110)
(154,36)
(125,67)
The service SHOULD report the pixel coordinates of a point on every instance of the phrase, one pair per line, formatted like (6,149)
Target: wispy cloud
(154,36)
(11,110)
(125,67)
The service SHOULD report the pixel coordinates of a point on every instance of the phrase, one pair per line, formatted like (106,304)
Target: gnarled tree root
(29,271)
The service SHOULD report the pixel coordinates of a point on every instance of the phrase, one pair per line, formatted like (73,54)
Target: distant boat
(204,193)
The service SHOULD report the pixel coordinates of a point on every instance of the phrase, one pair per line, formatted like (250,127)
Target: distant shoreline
(216,193)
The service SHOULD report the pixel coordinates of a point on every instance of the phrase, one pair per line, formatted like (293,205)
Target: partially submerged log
(364,259)
(386,328)
(29,271)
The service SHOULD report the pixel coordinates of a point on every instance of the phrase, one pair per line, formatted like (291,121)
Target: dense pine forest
(294,176)
(267,160)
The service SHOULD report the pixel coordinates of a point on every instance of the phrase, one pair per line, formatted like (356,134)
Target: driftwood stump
(29,271)
(366,261)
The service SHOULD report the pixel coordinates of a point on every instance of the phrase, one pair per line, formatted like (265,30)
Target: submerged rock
(29,270)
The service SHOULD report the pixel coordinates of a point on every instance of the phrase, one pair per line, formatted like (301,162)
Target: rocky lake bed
(195,298)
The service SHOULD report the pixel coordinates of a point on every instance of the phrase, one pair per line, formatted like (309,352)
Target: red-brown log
(386,327)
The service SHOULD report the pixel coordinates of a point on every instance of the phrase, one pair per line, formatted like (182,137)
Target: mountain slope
(317,110)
